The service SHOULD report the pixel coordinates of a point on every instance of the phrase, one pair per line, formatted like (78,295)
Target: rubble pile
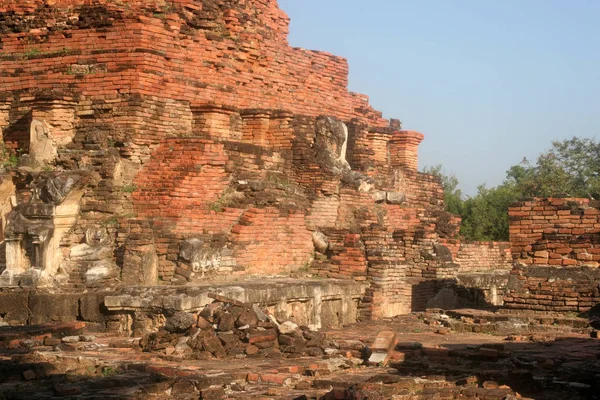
(229,328)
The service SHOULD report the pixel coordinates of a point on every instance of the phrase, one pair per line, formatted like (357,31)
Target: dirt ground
(464,354)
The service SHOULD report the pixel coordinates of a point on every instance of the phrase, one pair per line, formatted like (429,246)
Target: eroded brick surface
(205,147)
(541,359)
(556,251)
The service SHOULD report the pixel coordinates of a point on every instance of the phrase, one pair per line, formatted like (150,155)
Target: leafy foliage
(485,215)
(571,168)
(8,157)
(453,197)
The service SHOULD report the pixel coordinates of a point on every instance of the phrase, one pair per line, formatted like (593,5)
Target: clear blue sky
(487,81)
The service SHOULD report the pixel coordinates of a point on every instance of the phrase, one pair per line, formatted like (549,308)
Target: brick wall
(269,242)
(556,248)
(199,122)
(480,256)
(558,289)
(556,232)
(220,52)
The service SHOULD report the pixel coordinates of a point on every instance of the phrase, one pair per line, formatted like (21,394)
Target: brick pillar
(404,149)
(280,130)
(256,126)
(59,115)
(217,122)
(4,118)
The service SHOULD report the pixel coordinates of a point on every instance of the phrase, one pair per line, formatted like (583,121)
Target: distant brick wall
(556,232)
(560,289)
(269,241)
(556,246)
(183,179)
(480,256)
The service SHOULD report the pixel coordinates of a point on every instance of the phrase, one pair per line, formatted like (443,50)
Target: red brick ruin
(556,248)
(196,124)
(158,151)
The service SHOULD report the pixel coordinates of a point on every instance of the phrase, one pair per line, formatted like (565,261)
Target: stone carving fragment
(358,181)
(42,149)
(97,236)
(201,259)
(17,224)
(189,247)
(331,141)
(95,253)
(206,260)
(56,188)
(331,144)
(34,227)
(320,241)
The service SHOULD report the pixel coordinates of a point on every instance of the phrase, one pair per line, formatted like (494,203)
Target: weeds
(305,268)
(129,188)
(32,53)
(36,52)
(279,179)
(109,371)
(114,220)
(227,199)
(8,157)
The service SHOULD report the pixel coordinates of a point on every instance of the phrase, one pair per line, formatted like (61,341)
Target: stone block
(262,336)
(51,342)
(395,197)
(384,344)
(15,306)
(213,344)
(140,265)
(247,317)
(53,307)
(180,322)
(226,322)
(91,307)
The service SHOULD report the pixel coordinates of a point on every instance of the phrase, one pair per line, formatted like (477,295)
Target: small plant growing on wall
(227,199)
(8,157)
(129,188)
(31,53)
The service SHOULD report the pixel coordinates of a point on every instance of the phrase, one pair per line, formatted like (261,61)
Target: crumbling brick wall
(562,232)
(199,123)
(556,248)
(212,51)
(480,256)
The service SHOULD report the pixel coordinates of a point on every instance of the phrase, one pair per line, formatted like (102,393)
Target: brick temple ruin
(159,153)
(187,143)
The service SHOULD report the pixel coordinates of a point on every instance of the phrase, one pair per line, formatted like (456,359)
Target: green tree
(453,197)
(485,215)
(569,169)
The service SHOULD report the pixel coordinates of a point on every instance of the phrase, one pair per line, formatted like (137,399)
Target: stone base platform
(317,303)
(482,289)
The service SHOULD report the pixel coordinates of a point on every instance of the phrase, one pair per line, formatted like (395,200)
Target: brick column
(404,149)
(4,118)
(280,130)
(217,122)
(256,126)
